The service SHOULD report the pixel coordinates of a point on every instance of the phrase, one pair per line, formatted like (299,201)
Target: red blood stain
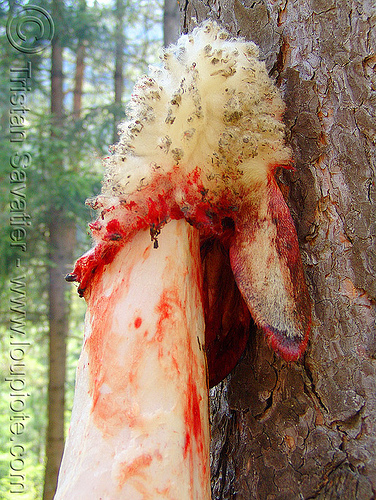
(92,263)
(131,205)
(154,206)
(146,253)
(196,270)
(175,195)
(195,449)
(111,411)
(175,363)
(187,443)
(168,301)
(134,468)
(101,325)
(137,322)
(114,226)
(110,414)
(192,419)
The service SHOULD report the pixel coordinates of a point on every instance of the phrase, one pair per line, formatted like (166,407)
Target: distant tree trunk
(80,69)
(57,309)
(119,65)
(78,80)
(61,246)
(308,429)
(62,243)
(171,17)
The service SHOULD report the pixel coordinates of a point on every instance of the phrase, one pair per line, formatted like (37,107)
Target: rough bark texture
(308,429)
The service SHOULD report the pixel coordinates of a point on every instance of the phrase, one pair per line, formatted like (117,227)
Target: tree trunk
(78,80)
(171,16)
(62,243)
(119,65)
(308,429)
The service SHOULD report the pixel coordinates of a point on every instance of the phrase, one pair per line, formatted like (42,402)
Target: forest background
(59,110)
(281,430)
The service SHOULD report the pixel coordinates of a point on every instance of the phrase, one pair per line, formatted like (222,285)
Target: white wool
(211,106)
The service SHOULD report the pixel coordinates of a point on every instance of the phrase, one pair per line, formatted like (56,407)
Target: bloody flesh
(203,140)
(211,216)
(140,418)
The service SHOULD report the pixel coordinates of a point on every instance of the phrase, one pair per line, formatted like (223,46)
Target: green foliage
(34,373)
(77,146)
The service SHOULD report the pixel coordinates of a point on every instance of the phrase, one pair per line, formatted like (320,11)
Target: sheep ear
(268,270)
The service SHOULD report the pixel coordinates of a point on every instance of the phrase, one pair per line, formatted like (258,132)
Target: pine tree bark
(308,429)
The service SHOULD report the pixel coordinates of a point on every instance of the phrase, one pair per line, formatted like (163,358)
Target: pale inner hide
(139,425)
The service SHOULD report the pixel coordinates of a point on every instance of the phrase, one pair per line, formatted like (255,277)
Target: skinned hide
(202,143)
(201,146)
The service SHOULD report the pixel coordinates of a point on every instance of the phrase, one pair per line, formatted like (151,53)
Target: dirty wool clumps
(211,106)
